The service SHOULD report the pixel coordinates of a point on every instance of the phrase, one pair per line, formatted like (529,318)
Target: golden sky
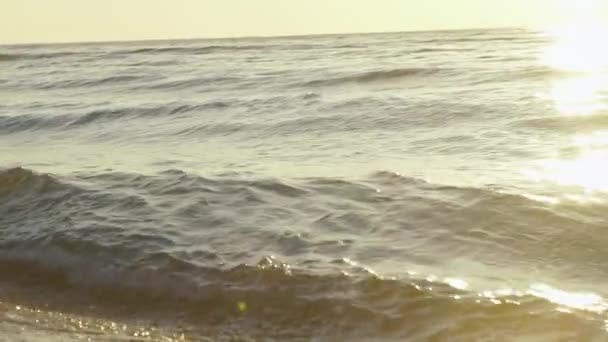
(24,21)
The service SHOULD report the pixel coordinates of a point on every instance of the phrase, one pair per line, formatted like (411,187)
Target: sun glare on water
(579,301)
(578,48)
(587,171)
(580,52)
(581,95)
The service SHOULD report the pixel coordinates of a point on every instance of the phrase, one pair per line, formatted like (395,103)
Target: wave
(9,57)
(80,118)
(31,122)
(21,123)
(18,179)
(209,49)
(295,304)
(191,83)
(169,110)
(192,50)
(215,250)
(482,38)
(305,126)
(515,75)
(566,122)
(541,73)
(375,76)
(159,199)
(77,51)
(438,49)
(268,299)
(95,82)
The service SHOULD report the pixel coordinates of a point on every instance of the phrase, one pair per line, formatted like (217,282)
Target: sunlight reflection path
(579,51)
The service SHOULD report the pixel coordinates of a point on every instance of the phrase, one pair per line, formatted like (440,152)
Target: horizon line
(270,36)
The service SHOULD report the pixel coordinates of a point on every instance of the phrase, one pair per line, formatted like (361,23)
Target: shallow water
(407,186)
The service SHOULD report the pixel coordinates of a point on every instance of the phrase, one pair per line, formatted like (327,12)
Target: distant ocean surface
(430,186)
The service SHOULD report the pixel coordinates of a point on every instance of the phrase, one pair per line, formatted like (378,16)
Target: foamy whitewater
(431,186)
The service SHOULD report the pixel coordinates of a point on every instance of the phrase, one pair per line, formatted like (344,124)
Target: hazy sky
(91,20)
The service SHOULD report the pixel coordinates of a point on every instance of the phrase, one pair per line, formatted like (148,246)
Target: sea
(421,186)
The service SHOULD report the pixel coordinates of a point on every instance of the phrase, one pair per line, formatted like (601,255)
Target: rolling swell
(197,49)
(85,83)
(31,122)
(15,124)
(375,76)
(298,305)
(188,50)
(112,242)
(540,73)
(185,50)
(193,50)
(192,83)
(566,123)
(483,38)
(8,57)
(135,242)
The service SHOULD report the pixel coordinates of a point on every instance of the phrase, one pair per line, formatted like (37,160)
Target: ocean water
(429,186)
